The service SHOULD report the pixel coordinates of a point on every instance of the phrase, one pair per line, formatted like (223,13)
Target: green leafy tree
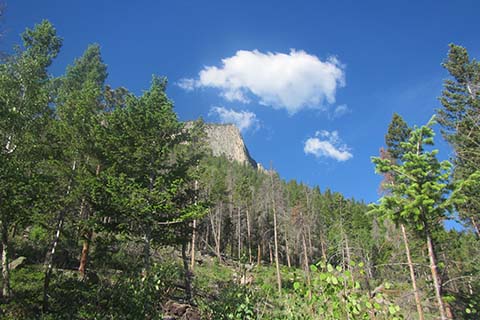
(24,115)
(417,196)
(79,104)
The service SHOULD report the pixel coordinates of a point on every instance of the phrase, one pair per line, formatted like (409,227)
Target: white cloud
(327,144)
(341,110)
(242,119)
(291,81)
(186,84)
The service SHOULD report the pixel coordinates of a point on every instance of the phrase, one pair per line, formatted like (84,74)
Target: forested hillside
(112,208)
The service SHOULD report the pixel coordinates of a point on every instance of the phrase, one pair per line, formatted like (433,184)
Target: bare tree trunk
(277,263)
(348,253)
(49,260)
(475,227)
(322,247)
(275,235)
(146,250)
(249,235)
(287,250)
(194,230)
(412,274)
(194,234)
(435,277)
(259,254)
(6,292)
(306,265)
(48,264)
(215,222)
(239,233)
(271,253)
(310,246)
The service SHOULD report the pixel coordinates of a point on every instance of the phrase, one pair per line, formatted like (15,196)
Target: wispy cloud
(291,81)
(340,110)
(327,144)
(243,119)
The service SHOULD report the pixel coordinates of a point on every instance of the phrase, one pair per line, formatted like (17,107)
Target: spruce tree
(418,194)
(460,120)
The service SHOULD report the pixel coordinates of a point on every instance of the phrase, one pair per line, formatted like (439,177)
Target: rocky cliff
(226,140)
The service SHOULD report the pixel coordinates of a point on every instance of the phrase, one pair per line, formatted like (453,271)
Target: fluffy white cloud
(291,81)
(327,144)
(242,119)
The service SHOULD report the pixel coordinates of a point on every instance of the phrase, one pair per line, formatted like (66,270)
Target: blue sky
(313,84)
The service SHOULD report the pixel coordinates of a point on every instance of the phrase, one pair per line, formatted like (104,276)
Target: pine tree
(418,193)
(398,132)
(149,159)
(460,119)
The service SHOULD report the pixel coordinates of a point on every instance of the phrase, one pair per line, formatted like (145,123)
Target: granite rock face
(226,140)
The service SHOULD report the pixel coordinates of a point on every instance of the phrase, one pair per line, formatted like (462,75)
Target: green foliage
(398,132)
(334,294)
(235,302)
(418,194)
(460,120)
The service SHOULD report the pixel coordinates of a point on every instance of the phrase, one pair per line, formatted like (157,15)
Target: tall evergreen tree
(418,193)
(398,133)
(149,157)
(460,119)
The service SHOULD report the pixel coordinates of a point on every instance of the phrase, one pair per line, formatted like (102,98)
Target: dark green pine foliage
(460,119)
(398,132)
(418,193)
(149,157)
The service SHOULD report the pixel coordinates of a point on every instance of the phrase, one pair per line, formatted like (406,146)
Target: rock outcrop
(226,140)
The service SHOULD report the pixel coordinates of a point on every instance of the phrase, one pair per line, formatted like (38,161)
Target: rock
(15,264)
(191,314)
(176,311)
(226,140)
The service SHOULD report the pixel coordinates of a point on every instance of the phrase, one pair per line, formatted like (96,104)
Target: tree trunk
(322,247)
(306,265)
(6,292)
(48,264)
(239,233)
(86,210)
(249,235)
(475,227)
(84,256)
(259,254)
(215,223)
(277,263)
(435,277)
(348,253)
(194,234)
(275,233)
(287,250)
(188,275)
(146,250)
(412,274)
(271,253)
